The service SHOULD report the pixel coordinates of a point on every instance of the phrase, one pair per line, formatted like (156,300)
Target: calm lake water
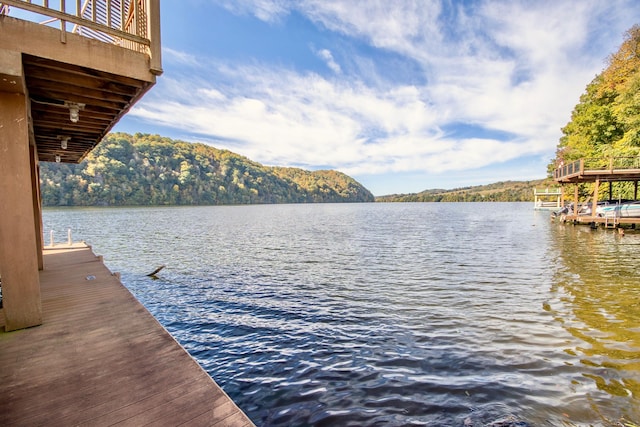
(388,314)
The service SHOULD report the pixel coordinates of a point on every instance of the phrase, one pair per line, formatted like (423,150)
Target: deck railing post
(136,18)
(109,14)
(63,23)
(123,16)
(153,33)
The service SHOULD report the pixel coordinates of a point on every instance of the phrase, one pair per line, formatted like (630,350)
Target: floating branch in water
(154,272)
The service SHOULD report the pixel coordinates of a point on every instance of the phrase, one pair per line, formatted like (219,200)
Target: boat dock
(100,358)
(597,172)
(547,199)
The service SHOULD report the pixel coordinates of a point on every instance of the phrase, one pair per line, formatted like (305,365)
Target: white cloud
(265,10)
(177,57)
(517,67)
(327,57)
(289,119)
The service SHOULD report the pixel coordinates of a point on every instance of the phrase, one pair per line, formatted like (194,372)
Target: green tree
(606,121)
(144,169)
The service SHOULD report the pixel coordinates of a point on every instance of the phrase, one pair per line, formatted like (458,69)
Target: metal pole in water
(51,238)
(69,236)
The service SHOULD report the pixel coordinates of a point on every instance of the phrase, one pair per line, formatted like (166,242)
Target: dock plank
(100,358)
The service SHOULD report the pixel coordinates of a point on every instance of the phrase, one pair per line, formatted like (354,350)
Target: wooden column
(37,204)
(18,243)
(153,33)
(594,203)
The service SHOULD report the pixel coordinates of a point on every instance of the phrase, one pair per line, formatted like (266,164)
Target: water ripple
(386,314)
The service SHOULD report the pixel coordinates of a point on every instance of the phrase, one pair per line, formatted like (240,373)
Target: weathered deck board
(100,358)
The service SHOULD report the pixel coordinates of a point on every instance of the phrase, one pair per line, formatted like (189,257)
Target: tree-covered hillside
(606,121)
(147,169)
(507,191)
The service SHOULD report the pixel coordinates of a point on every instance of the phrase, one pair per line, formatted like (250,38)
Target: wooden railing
(574,168)
(596,164)
(547,192)
(132,24)
(612,163)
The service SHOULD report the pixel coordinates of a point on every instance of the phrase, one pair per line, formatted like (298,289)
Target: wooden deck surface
(100,359)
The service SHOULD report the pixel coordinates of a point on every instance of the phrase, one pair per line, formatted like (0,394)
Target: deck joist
(100,358)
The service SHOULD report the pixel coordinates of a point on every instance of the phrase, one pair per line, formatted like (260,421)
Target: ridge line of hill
(503,191)
(145,170)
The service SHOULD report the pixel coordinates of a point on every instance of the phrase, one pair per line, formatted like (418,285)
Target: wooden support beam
(594,203)
(18,243)
(37,205)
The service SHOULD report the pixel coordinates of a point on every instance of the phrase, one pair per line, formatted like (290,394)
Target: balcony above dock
(82,65)
(615,169)
(598,171)
(69,70)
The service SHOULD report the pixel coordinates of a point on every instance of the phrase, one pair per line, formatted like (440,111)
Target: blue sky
(402,95)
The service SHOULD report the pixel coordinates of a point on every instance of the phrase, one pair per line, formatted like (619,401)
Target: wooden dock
(607,222)
(547,199)
(100,358)
(597,171)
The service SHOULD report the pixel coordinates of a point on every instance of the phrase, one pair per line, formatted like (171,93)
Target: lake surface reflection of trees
(597,299)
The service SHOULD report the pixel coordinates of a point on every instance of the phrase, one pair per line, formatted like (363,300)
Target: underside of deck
(100,358)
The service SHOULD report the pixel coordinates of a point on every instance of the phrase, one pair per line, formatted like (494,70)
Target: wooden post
(610,190)
(18,243)
(594,203)
(575,200)
(37,206)
(153,33)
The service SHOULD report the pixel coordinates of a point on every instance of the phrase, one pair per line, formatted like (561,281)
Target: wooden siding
(100,358)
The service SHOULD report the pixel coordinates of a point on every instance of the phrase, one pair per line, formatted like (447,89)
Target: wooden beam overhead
(52,85)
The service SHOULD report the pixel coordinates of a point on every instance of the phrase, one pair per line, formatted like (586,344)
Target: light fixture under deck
(74,110)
